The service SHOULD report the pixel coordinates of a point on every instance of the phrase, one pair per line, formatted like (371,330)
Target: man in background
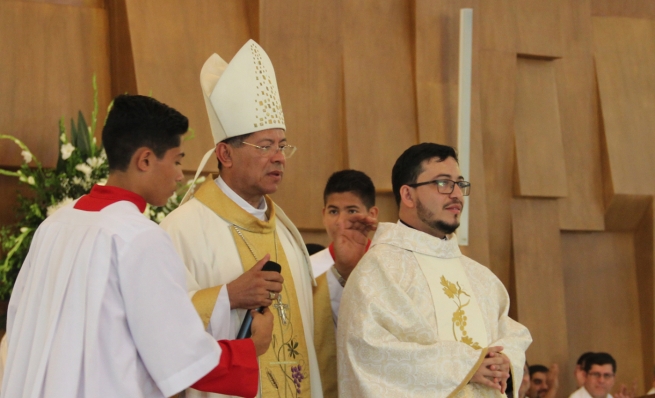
(347,193)
(544,382)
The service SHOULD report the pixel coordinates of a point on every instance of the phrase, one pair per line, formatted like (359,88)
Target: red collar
(102,196)
(331,248)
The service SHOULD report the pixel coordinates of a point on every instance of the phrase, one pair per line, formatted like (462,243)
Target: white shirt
(321,263)
(583,393)
(91,311)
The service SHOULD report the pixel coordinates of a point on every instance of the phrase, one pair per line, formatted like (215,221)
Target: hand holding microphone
(244,331)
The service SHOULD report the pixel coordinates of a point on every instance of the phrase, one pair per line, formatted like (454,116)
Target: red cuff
(237,372)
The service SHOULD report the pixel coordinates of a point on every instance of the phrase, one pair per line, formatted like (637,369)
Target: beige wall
(562,126)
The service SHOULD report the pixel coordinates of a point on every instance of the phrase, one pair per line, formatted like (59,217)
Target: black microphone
(244,331)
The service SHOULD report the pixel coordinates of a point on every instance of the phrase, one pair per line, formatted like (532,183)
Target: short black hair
(409,164)
(537,369)
(351,181)
(599,358)
(136,121)
(583,358)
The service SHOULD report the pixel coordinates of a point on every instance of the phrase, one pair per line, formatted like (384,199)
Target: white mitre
(241,97)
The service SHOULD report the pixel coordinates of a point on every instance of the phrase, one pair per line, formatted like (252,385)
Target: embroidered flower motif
(454,291)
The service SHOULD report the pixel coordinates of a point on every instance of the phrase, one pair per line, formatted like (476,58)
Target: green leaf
(83,136)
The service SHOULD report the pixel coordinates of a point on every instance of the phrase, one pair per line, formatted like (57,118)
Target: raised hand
(251,289)
(351,240)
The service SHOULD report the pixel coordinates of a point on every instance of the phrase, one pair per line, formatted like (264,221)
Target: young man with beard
(417,318)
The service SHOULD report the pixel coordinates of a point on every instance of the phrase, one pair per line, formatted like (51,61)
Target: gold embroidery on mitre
(270,93)
(455,292)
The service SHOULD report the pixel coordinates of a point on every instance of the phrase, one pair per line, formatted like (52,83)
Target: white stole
(458,315)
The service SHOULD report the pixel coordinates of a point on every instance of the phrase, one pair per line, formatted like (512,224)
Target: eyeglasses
(268,150)
(597,375)
(446,186)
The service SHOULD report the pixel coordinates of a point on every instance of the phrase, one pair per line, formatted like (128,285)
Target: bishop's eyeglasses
(271,150)
(446,186)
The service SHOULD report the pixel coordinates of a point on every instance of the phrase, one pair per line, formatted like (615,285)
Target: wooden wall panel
(497,89)
(540,282)
(539,150)
(644,241)
(577,97)
(498,28)
(380,104)
(602,304)
(170,42)
(575,27)
(623,8)
(310,80)
(437,65)
(538,28)
(624,50)
(49,55)
(9,188)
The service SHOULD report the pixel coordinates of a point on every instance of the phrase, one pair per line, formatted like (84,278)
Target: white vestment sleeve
(220,324)
(176,353)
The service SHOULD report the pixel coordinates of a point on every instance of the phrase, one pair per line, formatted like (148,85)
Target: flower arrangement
(82,163)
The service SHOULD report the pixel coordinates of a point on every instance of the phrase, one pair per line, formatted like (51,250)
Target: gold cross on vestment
(281,309)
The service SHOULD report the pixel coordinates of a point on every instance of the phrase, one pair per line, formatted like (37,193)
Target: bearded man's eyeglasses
(446,186)
(271,150)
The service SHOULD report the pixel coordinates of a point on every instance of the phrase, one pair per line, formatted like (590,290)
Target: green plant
(82,163)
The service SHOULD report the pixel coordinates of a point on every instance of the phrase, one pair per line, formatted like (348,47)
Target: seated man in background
(100,307)
(600,369)
(543,381)
(347,192)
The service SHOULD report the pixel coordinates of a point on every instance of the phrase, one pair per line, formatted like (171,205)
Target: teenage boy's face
(342,204)
(167,173)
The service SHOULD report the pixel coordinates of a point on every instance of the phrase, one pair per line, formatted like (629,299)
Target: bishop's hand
(351,240)
(251,289)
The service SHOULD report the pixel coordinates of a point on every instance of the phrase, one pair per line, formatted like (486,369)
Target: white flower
(95,162)
(27,156)
(77,180)
(30,180)
(200,180)
(84,168)
(160,217)
(23,230)
(52,209)
(67,150)
(102,181)
(62,137)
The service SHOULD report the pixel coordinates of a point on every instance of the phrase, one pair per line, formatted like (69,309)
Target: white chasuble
(398,333)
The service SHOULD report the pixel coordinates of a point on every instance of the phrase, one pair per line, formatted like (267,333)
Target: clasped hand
(494,370)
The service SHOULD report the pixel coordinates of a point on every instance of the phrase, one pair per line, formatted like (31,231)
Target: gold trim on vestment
(284,368)
(204,301)
(324,337)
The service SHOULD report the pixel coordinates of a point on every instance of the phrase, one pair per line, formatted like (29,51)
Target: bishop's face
(255,172)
